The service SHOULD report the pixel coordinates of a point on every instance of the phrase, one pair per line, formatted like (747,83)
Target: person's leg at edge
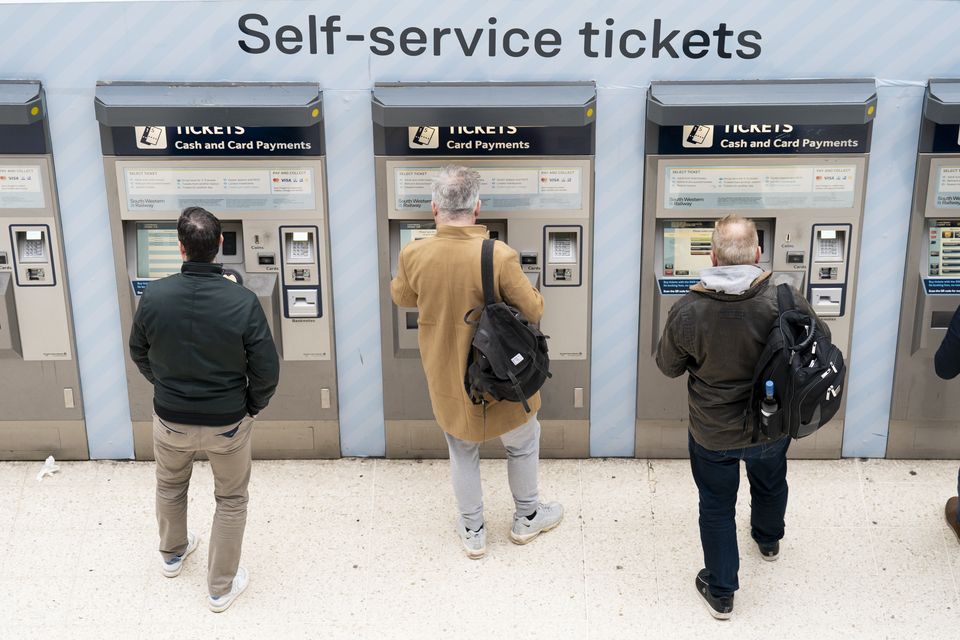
(174,452)
(231,463)
(717,477)
(465,474)
(523,458)
(767,473)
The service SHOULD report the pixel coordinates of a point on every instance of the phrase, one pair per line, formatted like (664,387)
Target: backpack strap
(486,271)
(785,300)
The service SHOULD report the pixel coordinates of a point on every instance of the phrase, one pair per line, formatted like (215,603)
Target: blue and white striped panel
(616,270)
(70,47)
(356,295)
(886,221)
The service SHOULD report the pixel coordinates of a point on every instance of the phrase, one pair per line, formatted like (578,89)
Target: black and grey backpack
(807,372)
(508,356)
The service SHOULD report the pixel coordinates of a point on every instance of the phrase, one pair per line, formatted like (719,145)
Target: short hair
(199,232)
(456,191)
(735,241)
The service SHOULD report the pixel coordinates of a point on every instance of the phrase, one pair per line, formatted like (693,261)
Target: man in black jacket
(716,334)
(204,343)
(947,365)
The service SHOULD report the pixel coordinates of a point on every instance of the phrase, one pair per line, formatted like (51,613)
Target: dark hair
(199,232)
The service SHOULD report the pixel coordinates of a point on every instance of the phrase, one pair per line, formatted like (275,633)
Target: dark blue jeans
(717,474)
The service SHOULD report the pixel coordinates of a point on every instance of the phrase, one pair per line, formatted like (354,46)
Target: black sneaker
(769,552)
(719,608)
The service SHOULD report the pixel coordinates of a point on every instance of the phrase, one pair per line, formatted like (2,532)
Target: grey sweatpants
(523,456)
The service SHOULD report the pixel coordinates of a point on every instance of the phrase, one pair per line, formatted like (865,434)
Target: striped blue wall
(70,47)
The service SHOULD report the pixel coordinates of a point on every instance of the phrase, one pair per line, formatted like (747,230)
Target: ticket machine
(41,412)
(533,145)
(253,155)
(925,410)
(792,156)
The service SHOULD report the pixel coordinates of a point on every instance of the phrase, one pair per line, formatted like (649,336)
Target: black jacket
(204,343)
(718,339)
(947,360)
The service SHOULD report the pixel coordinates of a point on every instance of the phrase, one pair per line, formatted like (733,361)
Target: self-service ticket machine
(792,156)
(925,410)
(253,155)
(533,145)
(40,406)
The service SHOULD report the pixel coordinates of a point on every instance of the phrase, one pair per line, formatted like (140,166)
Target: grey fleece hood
(732,280)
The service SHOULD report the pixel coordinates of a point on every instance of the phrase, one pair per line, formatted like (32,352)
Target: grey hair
(735,241)
(456,191)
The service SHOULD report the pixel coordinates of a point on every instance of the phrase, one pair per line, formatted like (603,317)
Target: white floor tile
(366,548)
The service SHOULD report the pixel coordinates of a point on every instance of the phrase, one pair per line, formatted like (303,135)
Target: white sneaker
(474,542)
(548,517)
(222,603)
(172,568)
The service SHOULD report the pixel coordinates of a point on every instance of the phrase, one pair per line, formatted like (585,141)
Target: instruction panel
(948,188)
(760,187)
(501,188)
(237,189)
(20,188)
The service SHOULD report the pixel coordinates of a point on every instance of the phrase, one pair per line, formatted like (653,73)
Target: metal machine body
(534,147)
(40,396)
(253,155)
(925,410)
(792,156)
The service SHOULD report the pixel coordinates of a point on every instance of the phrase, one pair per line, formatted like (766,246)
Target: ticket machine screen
(686,247)
(411,231)
(944,251)
(158,254)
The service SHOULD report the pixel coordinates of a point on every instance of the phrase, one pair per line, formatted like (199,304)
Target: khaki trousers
(228,449)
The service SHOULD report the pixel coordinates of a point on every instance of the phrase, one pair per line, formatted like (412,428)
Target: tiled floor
(366,549)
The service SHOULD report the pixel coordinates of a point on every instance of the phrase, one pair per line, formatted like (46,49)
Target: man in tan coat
(441,277)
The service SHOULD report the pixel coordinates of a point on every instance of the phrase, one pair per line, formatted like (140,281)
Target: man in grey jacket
(716,334)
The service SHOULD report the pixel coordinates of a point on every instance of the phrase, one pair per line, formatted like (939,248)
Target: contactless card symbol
(151,137)
(697,135)
(423,137)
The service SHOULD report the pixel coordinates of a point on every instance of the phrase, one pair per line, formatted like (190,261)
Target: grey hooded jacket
(716,333)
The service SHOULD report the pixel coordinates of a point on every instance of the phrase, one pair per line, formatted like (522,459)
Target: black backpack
(807,371)
(508,356)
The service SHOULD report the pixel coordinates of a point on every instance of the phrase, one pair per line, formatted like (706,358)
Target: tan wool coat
(440,276)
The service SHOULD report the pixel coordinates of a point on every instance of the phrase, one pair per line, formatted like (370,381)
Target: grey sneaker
(172,568)
(548,517)
(474,542)
(222,603)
